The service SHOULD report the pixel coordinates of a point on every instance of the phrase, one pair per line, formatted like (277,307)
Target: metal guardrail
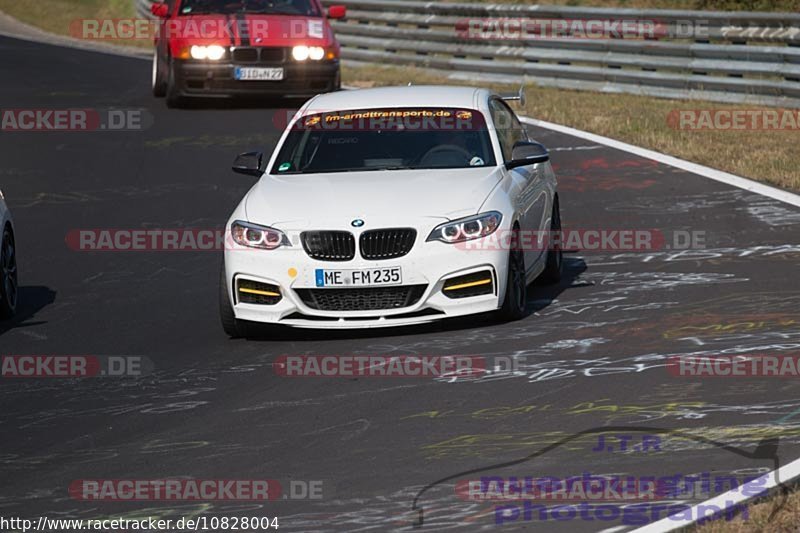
(737,57)
(741,57)
(143,8)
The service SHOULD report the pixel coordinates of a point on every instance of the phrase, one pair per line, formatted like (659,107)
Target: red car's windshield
(271,7)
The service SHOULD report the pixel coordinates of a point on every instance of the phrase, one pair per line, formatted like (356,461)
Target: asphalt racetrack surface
(591,354)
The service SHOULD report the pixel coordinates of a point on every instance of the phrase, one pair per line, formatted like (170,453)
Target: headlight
(466,229)
(214,52)
(255,236)
(302,52)
(316,53)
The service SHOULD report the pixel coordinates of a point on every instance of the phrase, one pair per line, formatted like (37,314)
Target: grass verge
(55,16)
(767,156)
(758,519)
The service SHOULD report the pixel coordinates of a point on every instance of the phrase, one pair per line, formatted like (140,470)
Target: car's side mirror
(249,163)
(337,12)
(160,10)
(527,153)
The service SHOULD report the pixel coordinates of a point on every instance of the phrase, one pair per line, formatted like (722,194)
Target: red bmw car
(224,48)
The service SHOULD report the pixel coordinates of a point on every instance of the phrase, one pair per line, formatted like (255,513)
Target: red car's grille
(267,55)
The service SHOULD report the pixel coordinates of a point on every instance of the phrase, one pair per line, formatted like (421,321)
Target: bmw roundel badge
(357,223)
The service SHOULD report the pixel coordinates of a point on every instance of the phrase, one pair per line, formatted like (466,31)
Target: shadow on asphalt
(32,299)
(192,104)
(539,297)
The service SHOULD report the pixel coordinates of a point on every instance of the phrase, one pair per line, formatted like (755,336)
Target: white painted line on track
(694,168)
(725,500)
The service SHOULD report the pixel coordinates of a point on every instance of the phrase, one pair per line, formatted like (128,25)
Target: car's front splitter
(433,268)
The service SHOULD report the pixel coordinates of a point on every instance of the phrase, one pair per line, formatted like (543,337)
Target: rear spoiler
(519,96)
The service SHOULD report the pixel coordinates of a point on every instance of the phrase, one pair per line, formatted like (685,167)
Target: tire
(514,302)
(233,326)
(555,256)
(337,84)
(174,98)
(9,280)
(159,83)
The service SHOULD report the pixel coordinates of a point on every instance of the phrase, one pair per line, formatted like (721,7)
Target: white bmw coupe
(387,207)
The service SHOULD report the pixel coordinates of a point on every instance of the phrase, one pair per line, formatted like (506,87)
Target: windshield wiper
(272,11)
(335,170)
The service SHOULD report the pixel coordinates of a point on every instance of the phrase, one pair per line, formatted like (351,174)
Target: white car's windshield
(386,139)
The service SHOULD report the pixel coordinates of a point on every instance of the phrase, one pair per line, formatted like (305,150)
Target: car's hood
(249,30)
(333,200)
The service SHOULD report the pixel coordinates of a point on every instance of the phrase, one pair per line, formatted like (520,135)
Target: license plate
(364,277)
(258,74)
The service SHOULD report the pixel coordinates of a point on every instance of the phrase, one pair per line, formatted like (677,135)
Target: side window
(509,130)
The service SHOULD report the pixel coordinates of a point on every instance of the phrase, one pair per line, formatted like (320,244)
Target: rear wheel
(555,256)
(232,325)
(159,83)
(9,282)
(514,303)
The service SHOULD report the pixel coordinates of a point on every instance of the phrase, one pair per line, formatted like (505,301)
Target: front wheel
(159,83)
(233,326)
(9,281)
(174,98)
(337,84)
(516,296)
(555,256)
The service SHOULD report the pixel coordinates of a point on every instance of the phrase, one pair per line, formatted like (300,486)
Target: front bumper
(429,264)
(206,79)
